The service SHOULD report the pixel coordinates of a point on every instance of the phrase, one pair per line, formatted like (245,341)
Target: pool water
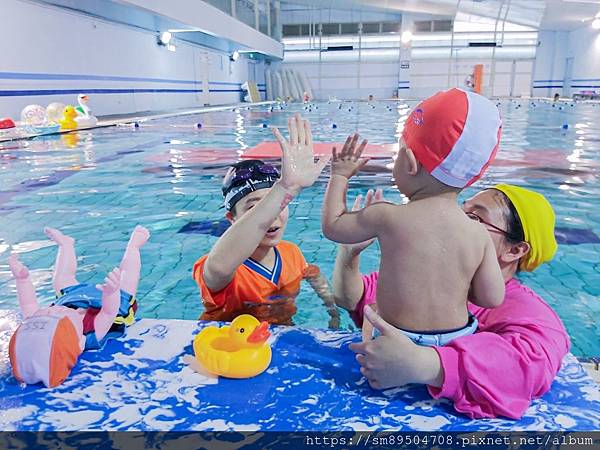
(97,185)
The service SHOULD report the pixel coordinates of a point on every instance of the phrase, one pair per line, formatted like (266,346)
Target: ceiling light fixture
(165,38)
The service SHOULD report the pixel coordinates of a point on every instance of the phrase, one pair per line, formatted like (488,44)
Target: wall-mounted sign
(405,64)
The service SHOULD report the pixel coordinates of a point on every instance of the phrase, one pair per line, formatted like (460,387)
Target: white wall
(584,48)
(346,78)
(581,48)
(51,51)
(350,80)
(550,63)
(511,77)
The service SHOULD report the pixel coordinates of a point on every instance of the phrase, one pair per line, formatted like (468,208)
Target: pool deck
(125,119)
(143,382)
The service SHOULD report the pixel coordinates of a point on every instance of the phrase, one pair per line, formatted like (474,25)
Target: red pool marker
(270,149)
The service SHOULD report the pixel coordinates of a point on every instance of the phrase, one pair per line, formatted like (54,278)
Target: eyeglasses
(473,216)
(237,176)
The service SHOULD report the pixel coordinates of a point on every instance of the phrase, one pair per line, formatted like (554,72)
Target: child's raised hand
(348,162)
(298,167)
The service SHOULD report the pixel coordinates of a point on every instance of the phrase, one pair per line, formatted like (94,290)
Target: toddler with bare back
(433,256)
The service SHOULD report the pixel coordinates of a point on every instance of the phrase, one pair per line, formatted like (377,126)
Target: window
(370,27)
(291,30)
(390,27)
(442,25)
(426,26)
(422,26)
(349,28)
(330,29)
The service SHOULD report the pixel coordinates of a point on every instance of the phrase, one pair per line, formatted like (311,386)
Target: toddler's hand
(348,162)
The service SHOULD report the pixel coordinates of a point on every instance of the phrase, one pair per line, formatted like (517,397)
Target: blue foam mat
(142,382)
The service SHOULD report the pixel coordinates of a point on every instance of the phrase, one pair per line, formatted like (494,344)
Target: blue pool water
(97,185)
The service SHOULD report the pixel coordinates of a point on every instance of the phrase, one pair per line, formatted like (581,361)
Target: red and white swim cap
(454,135)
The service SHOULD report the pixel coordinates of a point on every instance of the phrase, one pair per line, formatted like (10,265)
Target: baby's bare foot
(56,236)
(139,236)
(17,268)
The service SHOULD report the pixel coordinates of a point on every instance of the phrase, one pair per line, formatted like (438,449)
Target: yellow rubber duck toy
(68,120)
(237,351)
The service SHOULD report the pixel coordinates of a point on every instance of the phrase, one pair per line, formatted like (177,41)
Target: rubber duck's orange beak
(260,334)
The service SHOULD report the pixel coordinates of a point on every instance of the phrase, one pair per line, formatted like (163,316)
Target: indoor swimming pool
(166,175)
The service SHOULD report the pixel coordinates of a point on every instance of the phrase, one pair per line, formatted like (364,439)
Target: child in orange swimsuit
(250,269)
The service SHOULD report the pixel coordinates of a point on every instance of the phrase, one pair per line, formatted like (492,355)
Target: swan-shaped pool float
(84,117)
(236,351)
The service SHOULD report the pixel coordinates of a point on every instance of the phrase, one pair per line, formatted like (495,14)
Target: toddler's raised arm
(337,222)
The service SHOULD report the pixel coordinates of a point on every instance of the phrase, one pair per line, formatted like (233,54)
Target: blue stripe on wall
(586,86)
(403,87)
(545,87)
(547,81)
(33,92)
(65,76)
(404,82)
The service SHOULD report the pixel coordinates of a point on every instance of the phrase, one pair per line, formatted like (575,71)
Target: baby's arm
(111,298)
(487,286)
(346,227)
(337,223)
(320,285)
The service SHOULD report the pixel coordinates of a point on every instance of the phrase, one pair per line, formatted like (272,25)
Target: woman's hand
(319,283)
(371,197)
(348,162)
(393,360)
(298,166)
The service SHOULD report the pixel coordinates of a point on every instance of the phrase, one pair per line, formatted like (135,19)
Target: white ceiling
(543,14)
(569,14)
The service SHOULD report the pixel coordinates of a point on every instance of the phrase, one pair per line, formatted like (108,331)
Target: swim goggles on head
(239,182)
(237,176)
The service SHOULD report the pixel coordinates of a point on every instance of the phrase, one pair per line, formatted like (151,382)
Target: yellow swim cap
(537,218)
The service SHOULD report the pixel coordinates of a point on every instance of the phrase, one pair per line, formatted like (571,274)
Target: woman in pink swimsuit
(519,346)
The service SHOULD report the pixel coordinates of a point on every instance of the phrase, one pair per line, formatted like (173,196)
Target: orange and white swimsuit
(264,293)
